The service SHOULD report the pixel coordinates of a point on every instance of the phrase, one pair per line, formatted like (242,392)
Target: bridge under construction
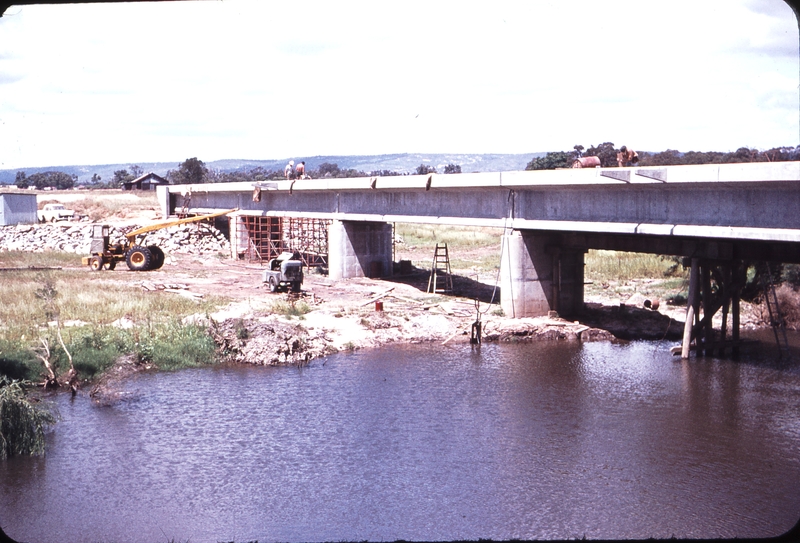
(718,216)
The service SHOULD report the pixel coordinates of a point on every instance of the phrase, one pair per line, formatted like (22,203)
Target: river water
(545,440)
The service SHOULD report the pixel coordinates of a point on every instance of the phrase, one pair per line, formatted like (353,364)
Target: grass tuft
(290,309)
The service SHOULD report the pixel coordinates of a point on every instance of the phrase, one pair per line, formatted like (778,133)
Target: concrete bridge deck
(714,211)
(756,201)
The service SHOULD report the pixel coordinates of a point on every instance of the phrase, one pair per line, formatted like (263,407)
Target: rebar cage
(258,238)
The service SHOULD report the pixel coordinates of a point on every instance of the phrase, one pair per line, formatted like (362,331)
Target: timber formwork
(264,238)
(728,280)
(717,286)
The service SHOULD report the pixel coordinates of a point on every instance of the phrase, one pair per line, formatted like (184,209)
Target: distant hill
(403,163)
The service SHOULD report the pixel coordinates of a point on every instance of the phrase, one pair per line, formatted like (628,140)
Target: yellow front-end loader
(138,257)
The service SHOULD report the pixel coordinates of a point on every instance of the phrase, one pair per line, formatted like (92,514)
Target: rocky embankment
(77,238)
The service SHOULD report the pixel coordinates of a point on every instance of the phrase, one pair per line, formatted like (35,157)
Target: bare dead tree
(48,294)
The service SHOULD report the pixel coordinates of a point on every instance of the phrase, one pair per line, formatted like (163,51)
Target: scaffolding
(260,239)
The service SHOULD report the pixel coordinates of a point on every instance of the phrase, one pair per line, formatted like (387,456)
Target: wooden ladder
(776,320)
(187,200)
(441,267)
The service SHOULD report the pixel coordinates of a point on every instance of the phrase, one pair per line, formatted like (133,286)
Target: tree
(424,169)
(326,169)
(190,171)
(695,157)
(255,174)
(578,150)
(551,161)
(120,177)
(452,168)
(21,181)
(782,154)
(605,152)
(743,154)
(136,171)
(96,179)
(669,157)
(56,180)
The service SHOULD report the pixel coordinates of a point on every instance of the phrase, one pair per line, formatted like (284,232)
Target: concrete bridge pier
(359,249)
(537,275)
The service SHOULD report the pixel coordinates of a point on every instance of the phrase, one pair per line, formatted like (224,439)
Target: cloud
(772,8)
(167,80)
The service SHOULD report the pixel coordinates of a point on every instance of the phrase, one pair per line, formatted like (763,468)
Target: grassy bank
(100,317)
(479,249)
(620,274)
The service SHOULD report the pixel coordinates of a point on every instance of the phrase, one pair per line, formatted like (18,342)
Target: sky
(238,79)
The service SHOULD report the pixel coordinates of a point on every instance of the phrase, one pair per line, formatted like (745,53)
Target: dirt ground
(256,326)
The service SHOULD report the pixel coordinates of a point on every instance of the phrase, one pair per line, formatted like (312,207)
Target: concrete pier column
(359,249)
(537,276)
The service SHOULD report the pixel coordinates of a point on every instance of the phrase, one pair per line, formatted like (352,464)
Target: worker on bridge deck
(627,157)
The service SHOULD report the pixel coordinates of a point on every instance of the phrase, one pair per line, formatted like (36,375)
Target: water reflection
(554,440)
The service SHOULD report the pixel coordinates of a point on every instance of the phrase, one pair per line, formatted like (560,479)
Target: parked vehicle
(105,256)
(54,212)
(285,271)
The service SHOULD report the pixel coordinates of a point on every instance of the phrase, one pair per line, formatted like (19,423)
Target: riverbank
(250,325)
(118,319)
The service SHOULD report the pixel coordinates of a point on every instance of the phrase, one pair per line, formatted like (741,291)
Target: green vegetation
(624,266)
(458,238)
(22,423)
(190,171)
(98,318)
(551,161)
(468,247)
(608,157)
(290,309)
(622,273)
(56,180)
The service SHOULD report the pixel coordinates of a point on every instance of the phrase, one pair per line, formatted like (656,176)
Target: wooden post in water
(690,309)
(708,312)
(740,274)
(726,295)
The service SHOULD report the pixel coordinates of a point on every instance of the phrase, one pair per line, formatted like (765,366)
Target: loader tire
(273,285)
(158,256)
(138,258)
(96,263)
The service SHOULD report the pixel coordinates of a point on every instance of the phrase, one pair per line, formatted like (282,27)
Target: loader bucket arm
(131,236)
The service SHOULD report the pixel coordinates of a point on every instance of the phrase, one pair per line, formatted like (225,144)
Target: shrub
(21,422)
(789,305)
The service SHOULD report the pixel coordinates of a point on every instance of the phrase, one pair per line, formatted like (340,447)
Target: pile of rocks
(77,238)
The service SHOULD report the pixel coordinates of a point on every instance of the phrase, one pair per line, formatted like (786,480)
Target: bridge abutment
(359,249)
(538,276)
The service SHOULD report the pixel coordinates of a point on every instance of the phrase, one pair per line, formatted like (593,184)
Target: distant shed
(17,208)
(148,181)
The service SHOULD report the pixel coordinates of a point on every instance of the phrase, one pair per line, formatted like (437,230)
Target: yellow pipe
(158,226)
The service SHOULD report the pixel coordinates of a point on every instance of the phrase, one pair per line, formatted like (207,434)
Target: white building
(17,208)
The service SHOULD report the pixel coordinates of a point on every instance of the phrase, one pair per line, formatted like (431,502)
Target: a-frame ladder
(440,279)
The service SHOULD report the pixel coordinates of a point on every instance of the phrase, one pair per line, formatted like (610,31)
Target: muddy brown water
(421,442)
